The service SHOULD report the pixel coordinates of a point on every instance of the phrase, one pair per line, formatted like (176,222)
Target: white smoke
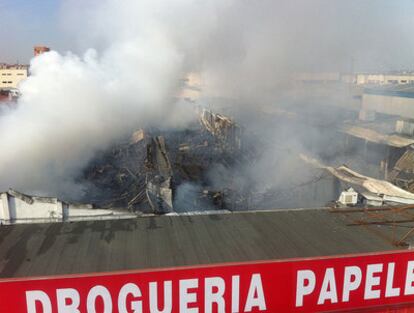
(73,106)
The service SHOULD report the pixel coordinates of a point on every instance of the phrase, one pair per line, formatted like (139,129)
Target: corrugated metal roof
(165,241)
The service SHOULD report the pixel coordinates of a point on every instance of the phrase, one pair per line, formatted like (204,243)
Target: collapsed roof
(145,173)
(402,174)
(385,189)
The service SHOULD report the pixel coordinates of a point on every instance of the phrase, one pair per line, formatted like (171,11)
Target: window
(4,82)
(20,74)
(9,82)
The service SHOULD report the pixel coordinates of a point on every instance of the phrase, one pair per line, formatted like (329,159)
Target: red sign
(301,285)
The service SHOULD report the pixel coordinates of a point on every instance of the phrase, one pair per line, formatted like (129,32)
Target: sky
(25,23)
(382,27)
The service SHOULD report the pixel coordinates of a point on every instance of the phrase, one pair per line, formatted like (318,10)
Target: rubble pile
(117,178)
(164,171)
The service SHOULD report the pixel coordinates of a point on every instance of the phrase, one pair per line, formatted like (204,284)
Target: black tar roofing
(166,241)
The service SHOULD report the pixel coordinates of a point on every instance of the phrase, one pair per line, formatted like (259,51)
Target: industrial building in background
(12,75)
(386,78)
(392,78)
(38,50)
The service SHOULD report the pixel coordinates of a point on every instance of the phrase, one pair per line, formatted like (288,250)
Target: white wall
(17,208)
(399,106)
(14,208)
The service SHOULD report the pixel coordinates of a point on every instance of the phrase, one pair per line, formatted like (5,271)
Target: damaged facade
(16,208)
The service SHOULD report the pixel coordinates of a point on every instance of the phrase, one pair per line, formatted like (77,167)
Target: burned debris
(159,178)
(164,171)
(224,129)
(214,164)
(402,174)
(161,171)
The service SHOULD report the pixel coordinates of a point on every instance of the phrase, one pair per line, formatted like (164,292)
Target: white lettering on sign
(214,294)
(235,294)
(153,296)
(377,281)
(131,298)
(187,297)
(37,296)
(352,280)
(305,285)
(323,286)
(99,292)
(136,305)
(255,297)
(328,290)
(65,295)
(409,279)
(391,291)
(371,281)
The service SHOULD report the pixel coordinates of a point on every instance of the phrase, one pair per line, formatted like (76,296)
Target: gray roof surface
(166,241)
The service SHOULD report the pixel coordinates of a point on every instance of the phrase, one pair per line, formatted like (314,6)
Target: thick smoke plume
(73,106)
(137,52)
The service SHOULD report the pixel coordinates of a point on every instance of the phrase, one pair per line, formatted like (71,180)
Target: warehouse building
(390,100)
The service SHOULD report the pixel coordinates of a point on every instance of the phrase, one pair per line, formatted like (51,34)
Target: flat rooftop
(168,241)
